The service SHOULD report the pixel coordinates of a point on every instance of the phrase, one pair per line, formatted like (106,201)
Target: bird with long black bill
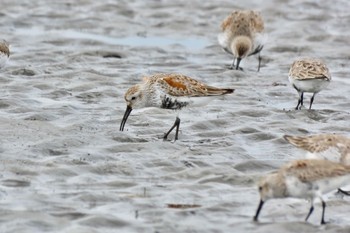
(308,178)
(168,91)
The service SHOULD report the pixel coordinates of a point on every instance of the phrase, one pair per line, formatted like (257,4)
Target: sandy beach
(66,167)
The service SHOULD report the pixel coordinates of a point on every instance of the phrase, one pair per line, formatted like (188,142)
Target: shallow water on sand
(66,167)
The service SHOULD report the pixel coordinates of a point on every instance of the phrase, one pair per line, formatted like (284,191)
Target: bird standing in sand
(4,53)
(242,35)
(308,75)
(168,91)
(308,179)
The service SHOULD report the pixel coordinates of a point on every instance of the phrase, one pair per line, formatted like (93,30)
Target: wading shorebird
(309,179)
(242,35)
(324,146)
(308,75)
(4,53)
(168,91)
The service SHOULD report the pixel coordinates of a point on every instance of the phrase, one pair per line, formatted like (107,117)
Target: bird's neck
(279,187)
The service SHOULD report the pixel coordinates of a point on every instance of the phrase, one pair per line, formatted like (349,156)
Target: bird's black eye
(260,188)
(133,98)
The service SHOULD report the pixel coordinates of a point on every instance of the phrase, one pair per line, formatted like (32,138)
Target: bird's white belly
(309,85)
(330,184)
(296,188)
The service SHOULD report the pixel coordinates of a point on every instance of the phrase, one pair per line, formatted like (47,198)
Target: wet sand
(66,167)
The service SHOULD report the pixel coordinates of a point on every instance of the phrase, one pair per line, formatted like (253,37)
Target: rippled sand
(66,167)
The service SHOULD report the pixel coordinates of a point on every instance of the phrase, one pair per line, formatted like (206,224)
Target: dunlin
(308,75)
(4,53)
(308,179)
(242,35)
(324,146)
(168,91)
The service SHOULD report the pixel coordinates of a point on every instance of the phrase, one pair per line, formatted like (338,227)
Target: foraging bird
(308,179)
(242,35)
(168,91)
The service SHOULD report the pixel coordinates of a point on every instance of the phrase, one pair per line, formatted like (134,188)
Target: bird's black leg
(238,61)
(312,100)
(300,101)
(177,125)
(323,211)
(310,211)
(344,192)
(259,58)
(297,107)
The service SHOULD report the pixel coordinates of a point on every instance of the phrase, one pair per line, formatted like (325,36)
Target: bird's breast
(172,103)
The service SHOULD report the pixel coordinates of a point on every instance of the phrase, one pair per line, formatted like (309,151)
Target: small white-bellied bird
(168,91)
(242,35)
(308,178)
(308,75)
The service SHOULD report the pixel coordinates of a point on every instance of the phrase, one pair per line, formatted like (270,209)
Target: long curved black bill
(125,117)
(258,210)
